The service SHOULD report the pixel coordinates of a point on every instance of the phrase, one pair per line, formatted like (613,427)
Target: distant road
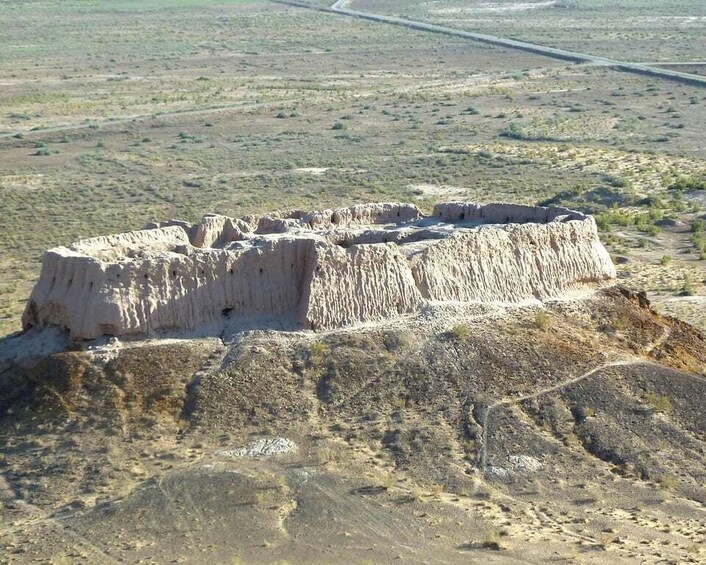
(674,63)
(143,117)
(340,7)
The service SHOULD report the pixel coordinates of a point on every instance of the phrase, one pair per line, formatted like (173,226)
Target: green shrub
(668,482)
(460,331)
(317,353)
(688,288)
(514,131)
(691,182)
(658,403)
(610,218)
(543,320)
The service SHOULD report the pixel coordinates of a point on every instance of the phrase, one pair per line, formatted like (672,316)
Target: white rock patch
(266,447)
(520,463)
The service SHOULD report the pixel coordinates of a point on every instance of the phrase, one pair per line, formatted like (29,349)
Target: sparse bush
(665,260)
(394,341)
(543,320)
(460,331)
(606,538)
(620,323)
(317,353)
(668,482)
(491,539)
(514,131)
(653,230)
(416,494)
(437,489)
(469,447)
(339,126)
(688,288)
(605,220)
(658,403)
(692,182)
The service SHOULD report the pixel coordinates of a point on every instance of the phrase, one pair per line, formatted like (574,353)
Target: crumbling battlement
(316,270)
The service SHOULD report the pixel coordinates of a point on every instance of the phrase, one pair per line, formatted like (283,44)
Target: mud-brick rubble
(316,270)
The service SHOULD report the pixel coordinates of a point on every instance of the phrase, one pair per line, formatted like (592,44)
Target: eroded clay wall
(362,283)
(502,213)
(512,263)
(171,291)
(365,263)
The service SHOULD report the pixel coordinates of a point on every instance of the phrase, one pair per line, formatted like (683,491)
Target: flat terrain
(183,108)
(633,30)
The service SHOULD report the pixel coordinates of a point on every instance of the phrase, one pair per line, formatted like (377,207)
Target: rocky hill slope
(568,433)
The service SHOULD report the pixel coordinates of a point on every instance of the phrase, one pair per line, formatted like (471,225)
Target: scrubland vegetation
(174,109)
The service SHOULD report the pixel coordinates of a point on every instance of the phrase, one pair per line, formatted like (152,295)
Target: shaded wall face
(169,292)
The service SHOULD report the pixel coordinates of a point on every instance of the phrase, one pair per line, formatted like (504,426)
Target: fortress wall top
(120,246)
(503,213)
(317,270)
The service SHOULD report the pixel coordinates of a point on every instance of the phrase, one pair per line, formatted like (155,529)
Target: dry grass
(237,104)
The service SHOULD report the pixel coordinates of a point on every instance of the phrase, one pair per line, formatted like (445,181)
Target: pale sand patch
(493,7)
(425,189)
(28,182)
(316,171)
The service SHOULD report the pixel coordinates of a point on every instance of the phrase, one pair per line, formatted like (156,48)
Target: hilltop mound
(570,432)
(503,418)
